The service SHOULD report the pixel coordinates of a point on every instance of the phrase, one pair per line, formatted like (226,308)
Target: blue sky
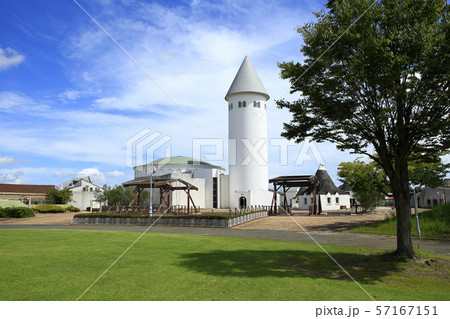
(71,97)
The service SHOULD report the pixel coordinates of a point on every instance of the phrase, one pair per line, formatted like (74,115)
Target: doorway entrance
(242,202)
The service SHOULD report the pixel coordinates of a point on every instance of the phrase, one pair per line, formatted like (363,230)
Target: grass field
(62,264)
(434,224)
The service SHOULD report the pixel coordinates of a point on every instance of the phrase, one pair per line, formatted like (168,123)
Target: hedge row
(23,212)
(53,209)
(16,212)
(49,209)
(199,216)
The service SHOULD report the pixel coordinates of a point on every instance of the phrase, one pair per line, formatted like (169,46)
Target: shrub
(72,209)
(16,212)
(49,209)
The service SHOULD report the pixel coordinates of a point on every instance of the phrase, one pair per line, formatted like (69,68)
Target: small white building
(429,197)
(83,192)
(290,196)
(329,197)
(209,179)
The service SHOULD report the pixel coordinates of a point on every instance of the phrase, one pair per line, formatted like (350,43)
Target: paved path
(335,238)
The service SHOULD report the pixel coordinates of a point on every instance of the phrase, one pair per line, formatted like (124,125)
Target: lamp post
(150,211)
(416,210)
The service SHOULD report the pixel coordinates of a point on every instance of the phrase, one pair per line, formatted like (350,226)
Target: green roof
(180,160)
(11,203)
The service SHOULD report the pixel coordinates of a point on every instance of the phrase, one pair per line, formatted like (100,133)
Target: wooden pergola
(166,186)
(286,182)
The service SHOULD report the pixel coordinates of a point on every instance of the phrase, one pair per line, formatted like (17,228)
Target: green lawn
(434,224)
(61,264)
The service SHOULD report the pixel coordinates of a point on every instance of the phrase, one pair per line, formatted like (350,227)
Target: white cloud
(114,174)
(186,52)
(68,96)
(15,102)
(96,176)
(12,178)
(9,57)
(60,174)
(6,160)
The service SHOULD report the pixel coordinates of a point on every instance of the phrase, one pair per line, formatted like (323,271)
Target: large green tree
(430,171)
(366,180)
(119,195)
(54,196)
(375,77)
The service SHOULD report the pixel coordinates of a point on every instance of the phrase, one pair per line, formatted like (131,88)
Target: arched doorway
(242,202)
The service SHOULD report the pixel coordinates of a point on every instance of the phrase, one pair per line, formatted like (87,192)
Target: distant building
(429,197)
(84,192)
(329,197)
(24,192)
(210,180)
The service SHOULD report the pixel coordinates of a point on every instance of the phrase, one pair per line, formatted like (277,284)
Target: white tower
(247,144)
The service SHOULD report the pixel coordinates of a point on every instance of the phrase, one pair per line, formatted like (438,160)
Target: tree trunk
(400,189)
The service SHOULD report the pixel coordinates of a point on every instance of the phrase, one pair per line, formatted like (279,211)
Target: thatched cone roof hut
(326,184)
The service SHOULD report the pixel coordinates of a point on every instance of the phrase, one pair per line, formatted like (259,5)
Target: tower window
(257,104)
(242,104)
(265,106)
(230,106)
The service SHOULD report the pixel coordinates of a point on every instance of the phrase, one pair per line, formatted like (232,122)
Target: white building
(329,197)
(290,196)
(429,197)
(83,192)
(205,176)
(247,139)
(248,179)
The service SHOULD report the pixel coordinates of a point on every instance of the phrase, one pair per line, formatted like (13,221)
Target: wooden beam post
(314,210)
(137,196)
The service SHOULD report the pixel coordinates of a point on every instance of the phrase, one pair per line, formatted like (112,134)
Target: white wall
(344,200)
(224,191)
(83,195)
(328,201)
(301,201)
(290,195)
(430,197)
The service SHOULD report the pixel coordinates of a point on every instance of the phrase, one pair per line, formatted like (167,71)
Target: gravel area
(40,219)
(311,223)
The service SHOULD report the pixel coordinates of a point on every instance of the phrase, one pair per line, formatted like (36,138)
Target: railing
(144,210)
(181,210)
(279,210)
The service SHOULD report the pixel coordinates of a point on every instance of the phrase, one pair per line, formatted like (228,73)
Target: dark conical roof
(326,184)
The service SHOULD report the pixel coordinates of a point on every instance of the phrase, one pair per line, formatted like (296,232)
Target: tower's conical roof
(247,81)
